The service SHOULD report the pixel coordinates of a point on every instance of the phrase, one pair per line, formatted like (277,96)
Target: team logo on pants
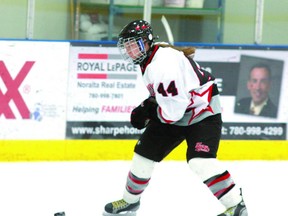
(201,147)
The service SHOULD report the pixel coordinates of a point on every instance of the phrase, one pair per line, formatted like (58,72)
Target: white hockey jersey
(185,93)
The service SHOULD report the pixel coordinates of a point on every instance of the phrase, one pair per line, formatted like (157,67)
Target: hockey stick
(167,29)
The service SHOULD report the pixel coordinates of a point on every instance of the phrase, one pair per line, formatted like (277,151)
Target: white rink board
(83,188)
(33,84)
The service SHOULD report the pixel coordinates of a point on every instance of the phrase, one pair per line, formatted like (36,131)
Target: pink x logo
(12,92)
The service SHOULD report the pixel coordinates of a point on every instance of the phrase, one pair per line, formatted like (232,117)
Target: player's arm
(172,100)
(170,90)
(168,105)
(141,115)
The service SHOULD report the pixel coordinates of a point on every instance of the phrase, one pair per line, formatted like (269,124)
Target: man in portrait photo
(259,84)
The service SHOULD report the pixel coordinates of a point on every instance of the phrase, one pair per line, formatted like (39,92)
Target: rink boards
(101,150)
(85,116)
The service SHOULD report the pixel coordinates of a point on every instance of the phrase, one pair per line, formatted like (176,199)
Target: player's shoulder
(169,50)
(168,55)
(165,62)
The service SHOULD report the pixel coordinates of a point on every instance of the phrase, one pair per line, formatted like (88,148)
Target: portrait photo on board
(259,85)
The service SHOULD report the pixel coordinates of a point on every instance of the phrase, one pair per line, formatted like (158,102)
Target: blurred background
(203,21)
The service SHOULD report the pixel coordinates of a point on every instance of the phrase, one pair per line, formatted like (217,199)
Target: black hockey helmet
(139,32)
(137,28)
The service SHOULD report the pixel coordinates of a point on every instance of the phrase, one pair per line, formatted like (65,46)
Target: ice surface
(83,188)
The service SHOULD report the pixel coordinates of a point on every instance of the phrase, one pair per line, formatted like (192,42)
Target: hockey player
(183,105)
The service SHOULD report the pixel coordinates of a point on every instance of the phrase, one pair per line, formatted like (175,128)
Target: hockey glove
(141,115)
(139,118)
(151,105)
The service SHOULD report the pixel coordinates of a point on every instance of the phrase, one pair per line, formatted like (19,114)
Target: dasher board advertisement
(103,89)
(33,84)
(243,78)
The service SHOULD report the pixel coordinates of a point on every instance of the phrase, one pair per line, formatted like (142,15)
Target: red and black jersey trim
(204,76)
(147,61)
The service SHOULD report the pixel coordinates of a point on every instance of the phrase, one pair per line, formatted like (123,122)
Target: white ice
(83,188)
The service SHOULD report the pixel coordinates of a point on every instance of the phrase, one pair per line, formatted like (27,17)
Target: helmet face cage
(132,40)
(132,49)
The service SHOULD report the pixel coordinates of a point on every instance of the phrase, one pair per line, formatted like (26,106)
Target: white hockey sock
(138,178)
(217,179)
